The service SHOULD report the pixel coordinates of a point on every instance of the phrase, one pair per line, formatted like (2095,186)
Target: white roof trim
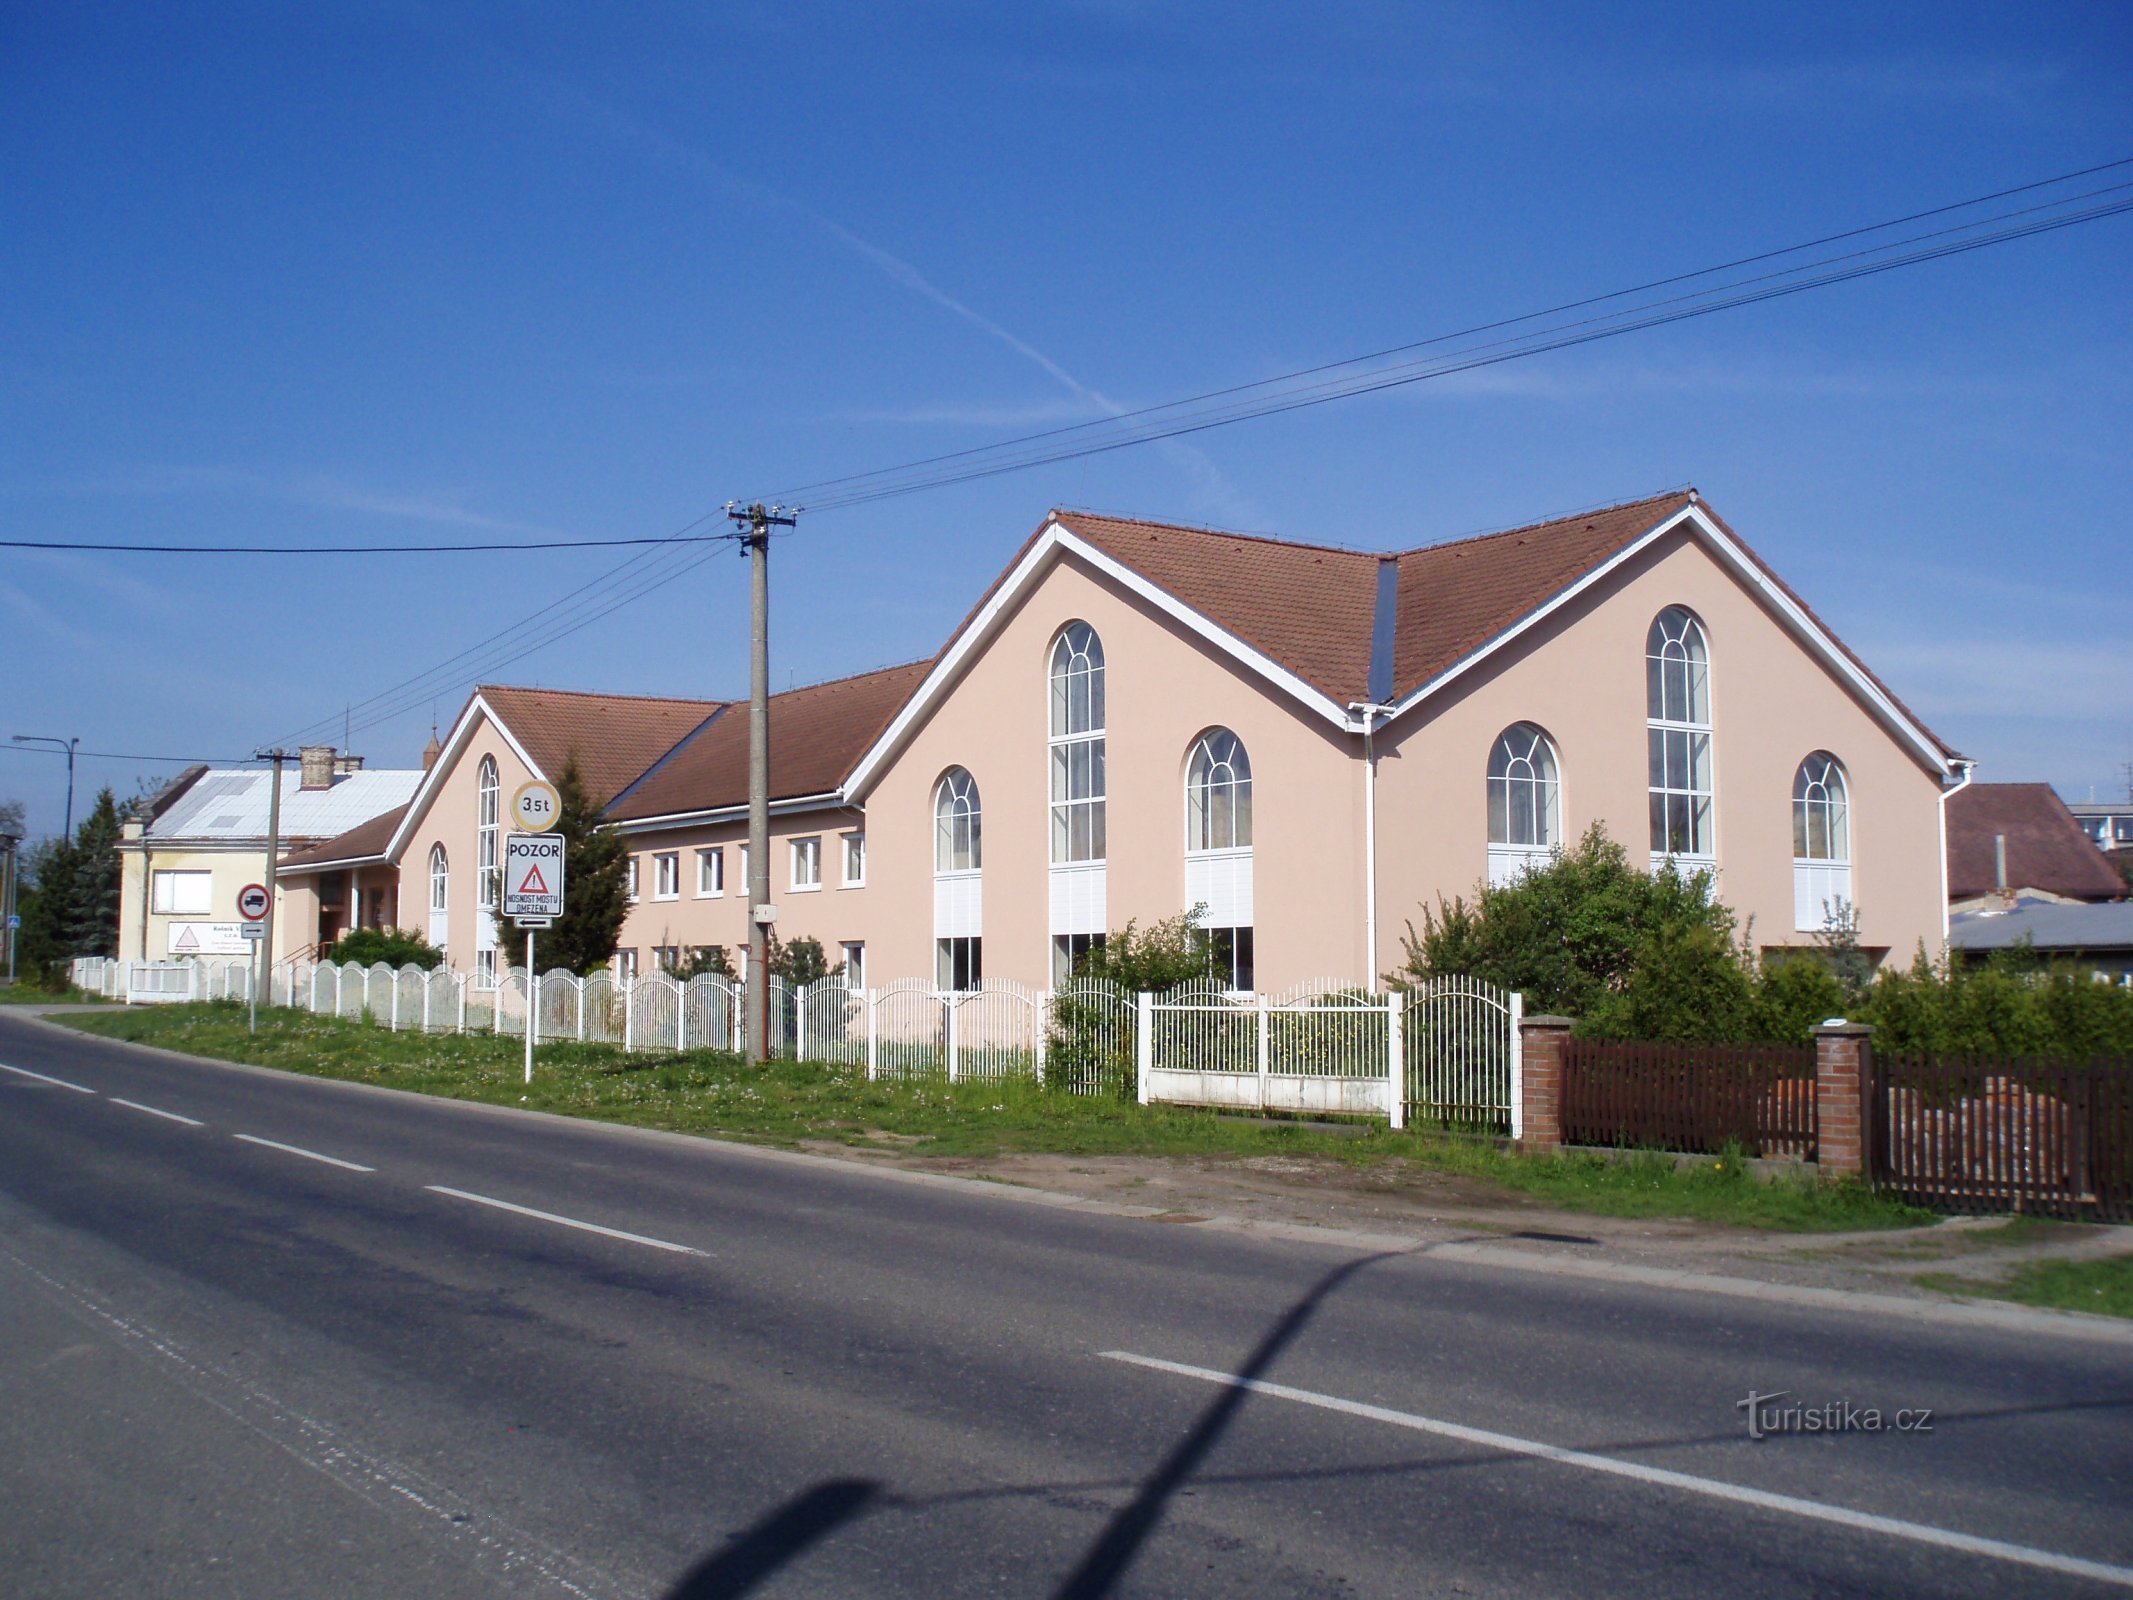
(1758,581)
(1057,540)
(828,800)
(454,747)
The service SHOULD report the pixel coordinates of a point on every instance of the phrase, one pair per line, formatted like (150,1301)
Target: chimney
(343,765)
(316,764)
(1999,870)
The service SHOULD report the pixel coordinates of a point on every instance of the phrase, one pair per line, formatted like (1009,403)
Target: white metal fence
(1444,1054)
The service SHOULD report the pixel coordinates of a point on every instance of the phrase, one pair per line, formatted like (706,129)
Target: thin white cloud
(1971,674)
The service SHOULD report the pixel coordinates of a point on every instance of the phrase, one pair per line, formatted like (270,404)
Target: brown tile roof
(817,735)
(365,839)
(615,737)
(1309,607)
(1455,598)
(2046,848)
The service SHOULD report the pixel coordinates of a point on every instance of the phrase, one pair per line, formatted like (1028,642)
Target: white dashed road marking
(1762,1499)
(567,1222)
(298,1150)
(24,1072)
(172,1116)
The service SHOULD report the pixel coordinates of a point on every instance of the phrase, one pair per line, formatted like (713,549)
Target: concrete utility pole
(265,975)
(757,521)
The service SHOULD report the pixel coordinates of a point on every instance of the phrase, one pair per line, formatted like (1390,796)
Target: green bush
(396,947)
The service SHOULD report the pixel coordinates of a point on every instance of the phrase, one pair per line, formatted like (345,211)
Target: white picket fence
(1445,1053)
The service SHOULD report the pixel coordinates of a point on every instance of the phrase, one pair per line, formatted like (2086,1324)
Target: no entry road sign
(533,874)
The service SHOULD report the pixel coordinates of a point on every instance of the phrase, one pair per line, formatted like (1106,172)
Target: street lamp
(58,744)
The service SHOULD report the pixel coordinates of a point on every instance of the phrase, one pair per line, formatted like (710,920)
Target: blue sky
(394,273)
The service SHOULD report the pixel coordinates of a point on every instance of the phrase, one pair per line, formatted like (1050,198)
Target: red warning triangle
(533,882)
(186,941)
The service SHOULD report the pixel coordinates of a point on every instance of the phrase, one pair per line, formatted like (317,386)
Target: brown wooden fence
(1690,1097)
(1970,1133)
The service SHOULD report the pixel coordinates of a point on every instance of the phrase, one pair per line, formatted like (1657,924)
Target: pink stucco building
(1311,742)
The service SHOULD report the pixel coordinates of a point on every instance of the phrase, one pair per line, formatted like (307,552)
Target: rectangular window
(855,964)
(807,863)
(959,963)
(666,957)
(747,881)
(485,969)
(1067,951)
(666,875)
(632,881)
(184,894)
(1078,799)
(710,873)
(855,860)
(1229,953)
(1680,774)
(625,964)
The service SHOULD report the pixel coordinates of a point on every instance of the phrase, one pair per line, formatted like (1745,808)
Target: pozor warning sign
(533,874)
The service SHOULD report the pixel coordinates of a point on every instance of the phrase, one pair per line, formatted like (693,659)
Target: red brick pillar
(1844,1058)
(1542,1041)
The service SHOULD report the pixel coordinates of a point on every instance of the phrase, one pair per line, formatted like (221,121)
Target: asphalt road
(230,1368)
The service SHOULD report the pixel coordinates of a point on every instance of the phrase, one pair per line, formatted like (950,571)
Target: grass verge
(23,992)
(2104,1287)
(788,1103)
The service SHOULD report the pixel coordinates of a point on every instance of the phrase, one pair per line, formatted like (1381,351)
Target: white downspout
(1969,771)
(1369,713)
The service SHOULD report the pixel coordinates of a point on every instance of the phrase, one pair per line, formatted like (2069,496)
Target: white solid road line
(24,1072)
(1864,1521)
(568,1222)
(135,1105)
(298,1150)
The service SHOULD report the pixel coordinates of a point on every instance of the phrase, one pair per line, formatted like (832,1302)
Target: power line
(128,755)
(360,549)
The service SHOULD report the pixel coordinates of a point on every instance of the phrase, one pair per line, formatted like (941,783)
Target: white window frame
(167,902)
(711,867)
(1077,747)
(1218,750)
(440,878)
(1821,884)
(624,965)
(854,952)
(855,857)
(1691,734)
(1523,745)
(488,814)
(631,880)
(666,875)
(809,851)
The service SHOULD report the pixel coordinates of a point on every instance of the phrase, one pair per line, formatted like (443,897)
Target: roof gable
(817,734)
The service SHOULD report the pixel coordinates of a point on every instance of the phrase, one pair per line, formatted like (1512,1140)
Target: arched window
(1525,801)
(1218,850)
(1821,842)
(487,808)
(440,879)
(1077,784)
(958,833)
(958,882)
(1677,693)
(1218,793)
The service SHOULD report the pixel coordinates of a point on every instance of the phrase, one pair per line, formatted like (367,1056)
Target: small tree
(1160,956)
(801,962)
(595,887)
(91,915)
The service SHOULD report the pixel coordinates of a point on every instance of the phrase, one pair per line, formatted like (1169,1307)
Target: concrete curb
(1996,1316)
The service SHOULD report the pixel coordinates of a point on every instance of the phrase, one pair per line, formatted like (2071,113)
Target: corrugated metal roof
(2048,925)
(229,804)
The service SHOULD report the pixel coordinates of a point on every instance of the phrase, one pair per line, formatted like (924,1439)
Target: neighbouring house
(2109,825)
(2094,937)
(2014,841)
(200,840)
(1308,742)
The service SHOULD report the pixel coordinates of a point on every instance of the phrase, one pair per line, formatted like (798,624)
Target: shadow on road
(776,1540)
(1123,1537)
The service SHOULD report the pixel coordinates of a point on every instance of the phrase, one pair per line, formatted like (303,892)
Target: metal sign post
(533,898)
(253,903)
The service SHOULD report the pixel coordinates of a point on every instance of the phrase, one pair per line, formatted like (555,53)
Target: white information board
(533,875)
